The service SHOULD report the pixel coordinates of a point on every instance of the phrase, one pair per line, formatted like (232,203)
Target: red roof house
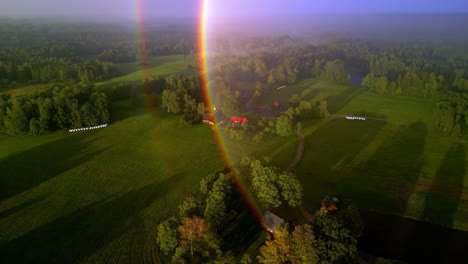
(236,119)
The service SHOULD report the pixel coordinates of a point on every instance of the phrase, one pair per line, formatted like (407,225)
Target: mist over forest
(315,134)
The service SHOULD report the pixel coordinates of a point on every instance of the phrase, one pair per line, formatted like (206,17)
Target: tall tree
(304,245)
(284,126)
(168,237)
(277,250)
(193,233)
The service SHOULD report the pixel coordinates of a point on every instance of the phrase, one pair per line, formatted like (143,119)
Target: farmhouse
(271,221)
(236,119)
(328,204)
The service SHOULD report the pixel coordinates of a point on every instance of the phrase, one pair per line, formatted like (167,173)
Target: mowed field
(25,89)
(407,169)
(156,66)
(98,196)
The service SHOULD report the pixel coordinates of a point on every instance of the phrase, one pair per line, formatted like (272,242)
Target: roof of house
(328,204)
(272,220)
(239,119)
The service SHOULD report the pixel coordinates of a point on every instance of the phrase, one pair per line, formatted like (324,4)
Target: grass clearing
(97,196)
(404,169)
(156,66)
(33,88)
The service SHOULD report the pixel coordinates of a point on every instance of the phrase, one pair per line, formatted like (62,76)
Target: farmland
(105,188)
(404,169)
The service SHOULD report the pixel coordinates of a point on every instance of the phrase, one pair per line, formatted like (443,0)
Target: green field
(25,89)
(404,169)
(97,196)
(156,66)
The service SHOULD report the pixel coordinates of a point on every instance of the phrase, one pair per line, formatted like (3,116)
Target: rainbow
(142,60)
(208,98)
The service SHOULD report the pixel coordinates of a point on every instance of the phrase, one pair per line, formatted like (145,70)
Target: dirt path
(300,150)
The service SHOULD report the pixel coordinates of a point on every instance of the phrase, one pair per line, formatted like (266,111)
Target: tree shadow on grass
(444,195)
(410,240)
(242,232)
(336,102)
(19,207)
(387,180)
(328,154)
(25,170)
(73,237)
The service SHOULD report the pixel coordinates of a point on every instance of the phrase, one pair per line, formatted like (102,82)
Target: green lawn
(314,90)
(156,66)
(97,196)
(404,169)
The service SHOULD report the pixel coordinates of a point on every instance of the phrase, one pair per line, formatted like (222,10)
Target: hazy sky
(158,8)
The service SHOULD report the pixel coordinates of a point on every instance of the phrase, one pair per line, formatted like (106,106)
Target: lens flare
(203,28)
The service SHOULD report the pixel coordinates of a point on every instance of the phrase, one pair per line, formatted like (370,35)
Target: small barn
(236,119)
(329,204)
(271,221)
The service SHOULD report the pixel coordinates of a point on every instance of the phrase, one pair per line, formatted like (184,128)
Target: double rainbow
(203,24)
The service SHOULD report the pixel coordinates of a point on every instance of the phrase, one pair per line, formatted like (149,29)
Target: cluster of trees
(451,113)
(302,109)
(271,186)
(195,234)
(58,108)
(179,96)
(54,69)
(330,238)
(410,83)
(256,130)
(330,70)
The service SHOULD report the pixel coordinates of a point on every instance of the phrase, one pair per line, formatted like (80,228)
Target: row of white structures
(87,128)
(355,117)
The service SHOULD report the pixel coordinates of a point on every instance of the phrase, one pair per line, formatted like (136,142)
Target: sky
(222,8)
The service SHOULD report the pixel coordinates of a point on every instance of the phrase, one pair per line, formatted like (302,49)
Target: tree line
(42,69)
(54,109)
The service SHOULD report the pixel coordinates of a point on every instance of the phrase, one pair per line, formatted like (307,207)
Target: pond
(412,241)
(356,78)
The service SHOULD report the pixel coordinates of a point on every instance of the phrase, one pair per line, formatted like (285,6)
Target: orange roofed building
(328,204)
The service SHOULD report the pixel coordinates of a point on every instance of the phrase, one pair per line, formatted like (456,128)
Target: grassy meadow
(98,195)
(160,65)
(404,169)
